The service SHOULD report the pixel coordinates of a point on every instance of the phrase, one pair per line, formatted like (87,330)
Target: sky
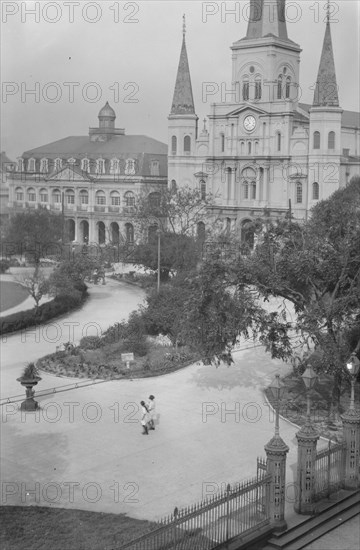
(76,55)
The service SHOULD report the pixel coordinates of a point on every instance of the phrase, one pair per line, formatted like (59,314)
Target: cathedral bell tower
(182,125)
(325,127)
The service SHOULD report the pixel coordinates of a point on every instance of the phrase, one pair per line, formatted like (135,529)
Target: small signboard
(127,357)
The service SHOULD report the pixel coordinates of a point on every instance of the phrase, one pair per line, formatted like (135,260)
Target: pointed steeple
(183,101)
(326,91)
(267,17)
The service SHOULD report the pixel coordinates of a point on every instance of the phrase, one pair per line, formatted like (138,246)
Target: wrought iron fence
(235,511)
(329,470)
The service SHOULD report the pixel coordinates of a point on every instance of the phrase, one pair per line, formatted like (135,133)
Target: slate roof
(326,90)
(183,101)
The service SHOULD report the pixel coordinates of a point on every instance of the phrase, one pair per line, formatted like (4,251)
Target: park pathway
(84,448)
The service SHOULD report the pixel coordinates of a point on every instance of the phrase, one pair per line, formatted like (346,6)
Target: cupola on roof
(107,111)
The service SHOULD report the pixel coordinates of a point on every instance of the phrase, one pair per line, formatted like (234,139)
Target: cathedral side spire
(326,90)
(267,17)
(183,101)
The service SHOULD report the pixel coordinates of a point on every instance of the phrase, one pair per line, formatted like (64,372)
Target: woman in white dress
(151,407)
(145,418)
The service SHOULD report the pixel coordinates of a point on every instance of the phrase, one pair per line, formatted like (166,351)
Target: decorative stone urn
(29,379)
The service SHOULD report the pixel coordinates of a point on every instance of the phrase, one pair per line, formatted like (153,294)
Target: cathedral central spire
(267,17)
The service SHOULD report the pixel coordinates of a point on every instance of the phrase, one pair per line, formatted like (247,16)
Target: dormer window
(31,165)
(100,166)
(44,166)
(57,164)
(85,165)
(114,166)
(130,167)
(20,165)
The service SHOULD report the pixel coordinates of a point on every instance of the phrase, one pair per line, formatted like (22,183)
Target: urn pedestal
(29,404)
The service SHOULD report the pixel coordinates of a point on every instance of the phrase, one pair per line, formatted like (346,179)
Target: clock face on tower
(249,123)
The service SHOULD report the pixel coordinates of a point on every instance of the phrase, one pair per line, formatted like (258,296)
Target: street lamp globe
(353,365)
(309,377)
(277,388)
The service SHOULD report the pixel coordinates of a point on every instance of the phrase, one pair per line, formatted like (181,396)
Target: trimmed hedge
(58,306)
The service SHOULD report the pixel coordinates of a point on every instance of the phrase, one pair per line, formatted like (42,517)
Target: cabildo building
(93,180)
(264,149)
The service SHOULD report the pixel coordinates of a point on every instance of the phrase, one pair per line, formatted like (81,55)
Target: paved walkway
(84,448)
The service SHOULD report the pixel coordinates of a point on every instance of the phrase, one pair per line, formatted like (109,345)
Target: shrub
(4,266)
(91,342)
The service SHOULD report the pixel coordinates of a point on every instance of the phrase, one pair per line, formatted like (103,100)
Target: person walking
(144,418)
(151,407)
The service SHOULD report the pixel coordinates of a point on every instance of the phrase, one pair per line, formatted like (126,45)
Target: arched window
(228,181)
(245,89)
(84,196)
(253,190)
(129,198)
(315,191)
(101,232)
(44,166)
(85,165)
(316,140)
(56,196)
(31,195)
(100,198)
(287,87)
(129,233)
(299,193)
(246,189)
(278,141)
(257,87)
(202,190)
(173,187)
(228,225)
(57,164)
(19,194)
(154,199)
(279,86)
(222,142)
(43,195)
(187,144)
(256,147)
(249,147)
(70,196)
(173,145)
(100,166)
(31,165)
(331,140)
(201,231)
(115,198)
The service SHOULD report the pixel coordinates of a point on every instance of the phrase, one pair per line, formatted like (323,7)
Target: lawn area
(41,528)
(11,294)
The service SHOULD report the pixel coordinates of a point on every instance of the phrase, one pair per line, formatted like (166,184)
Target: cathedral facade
(263,149)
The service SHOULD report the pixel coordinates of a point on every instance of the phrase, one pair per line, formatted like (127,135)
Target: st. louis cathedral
(264,149)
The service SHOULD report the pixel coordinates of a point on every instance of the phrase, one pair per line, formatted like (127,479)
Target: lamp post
(277,388)
(351,424)
(276,451)
(310,378)
(353,366)
(307,438)
(158,232)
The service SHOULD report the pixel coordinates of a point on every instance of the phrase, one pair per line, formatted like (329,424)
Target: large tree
(36,232)
(316,266)
(174,214)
